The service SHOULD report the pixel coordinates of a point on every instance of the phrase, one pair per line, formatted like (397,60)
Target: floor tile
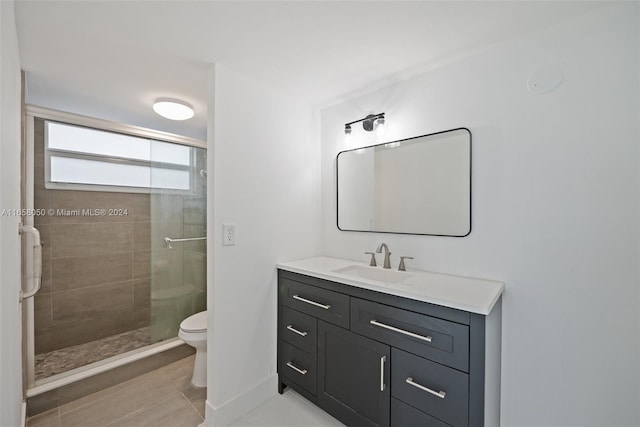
(287,410)
(141,394)
(173,412)
(50,418)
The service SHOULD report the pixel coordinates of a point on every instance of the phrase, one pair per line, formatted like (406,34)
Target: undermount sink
(374,273)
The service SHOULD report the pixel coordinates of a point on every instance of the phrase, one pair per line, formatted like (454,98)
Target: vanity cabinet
(373,359)
(353,377)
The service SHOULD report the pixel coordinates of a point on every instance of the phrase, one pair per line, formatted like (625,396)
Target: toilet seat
(195,323)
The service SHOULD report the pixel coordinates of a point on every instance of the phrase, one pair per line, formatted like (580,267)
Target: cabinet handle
(295,368)
(292,329)
(317,304)
(383,359)
(401,331)
(440,394)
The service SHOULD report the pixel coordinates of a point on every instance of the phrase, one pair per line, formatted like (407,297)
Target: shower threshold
(93,370)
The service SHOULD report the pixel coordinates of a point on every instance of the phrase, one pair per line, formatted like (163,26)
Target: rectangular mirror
(418,185)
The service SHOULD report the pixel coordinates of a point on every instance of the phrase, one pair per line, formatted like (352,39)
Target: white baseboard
(236,408)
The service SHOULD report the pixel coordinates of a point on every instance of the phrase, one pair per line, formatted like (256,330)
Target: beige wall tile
(166,208)
(141,207)
(84,331)
(141,235)
(69,200)
(42,200)
(46,275)
(141,264)
(141,302)
(43,340)
(42,311)
(72,240)
(195,211)
(167,267)
(78,305)
(81,272)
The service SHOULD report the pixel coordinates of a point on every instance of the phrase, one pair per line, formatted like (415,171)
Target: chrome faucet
(387,255)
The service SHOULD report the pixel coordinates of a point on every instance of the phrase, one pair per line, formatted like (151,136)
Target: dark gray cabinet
(376,360)
(353,377)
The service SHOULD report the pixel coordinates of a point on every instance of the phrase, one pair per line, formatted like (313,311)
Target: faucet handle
(402,267)
(373,258)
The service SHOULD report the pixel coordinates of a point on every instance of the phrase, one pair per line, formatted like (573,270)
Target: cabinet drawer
(439,340)
(332,307)
(299,329)
(403,415)
(437,390)
(299,367)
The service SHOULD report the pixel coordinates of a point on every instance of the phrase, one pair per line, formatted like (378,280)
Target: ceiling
(111,59)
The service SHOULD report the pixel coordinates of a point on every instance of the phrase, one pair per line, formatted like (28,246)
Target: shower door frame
(31,386)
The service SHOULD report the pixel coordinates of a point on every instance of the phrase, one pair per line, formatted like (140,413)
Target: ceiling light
(173,109)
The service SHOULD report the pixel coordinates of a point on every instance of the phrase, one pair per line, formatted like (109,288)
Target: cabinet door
(353,377)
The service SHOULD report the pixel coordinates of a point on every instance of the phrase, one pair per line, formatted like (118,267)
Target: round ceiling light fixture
(173,109)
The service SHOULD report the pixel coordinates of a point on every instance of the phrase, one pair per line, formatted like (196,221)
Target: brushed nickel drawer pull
(401,331)
(292,329)
(440,394)
(295,368)
(382,360)
(317,304)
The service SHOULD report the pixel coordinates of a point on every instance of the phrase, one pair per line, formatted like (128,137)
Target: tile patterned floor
(57,361)
(287,410)
(164,398)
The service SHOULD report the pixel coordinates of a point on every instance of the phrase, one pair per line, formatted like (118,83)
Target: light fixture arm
(370,117)
(367,122)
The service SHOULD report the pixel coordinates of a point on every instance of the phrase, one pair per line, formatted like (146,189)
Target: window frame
(48,115)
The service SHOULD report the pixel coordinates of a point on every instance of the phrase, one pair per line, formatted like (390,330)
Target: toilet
(193,331)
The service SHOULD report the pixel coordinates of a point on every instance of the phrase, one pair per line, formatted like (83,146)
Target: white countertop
(463,293)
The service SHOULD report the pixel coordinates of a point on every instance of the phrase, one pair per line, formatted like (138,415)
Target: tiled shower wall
(96,269)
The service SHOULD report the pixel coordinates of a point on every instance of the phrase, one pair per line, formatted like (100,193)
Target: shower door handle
(37,261)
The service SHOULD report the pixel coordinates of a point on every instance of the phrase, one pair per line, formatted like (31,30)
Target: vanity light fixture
(369,123)
(173,109)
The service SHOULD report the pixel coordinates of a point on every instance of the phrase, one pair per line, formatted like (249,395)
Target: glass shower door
(178,237)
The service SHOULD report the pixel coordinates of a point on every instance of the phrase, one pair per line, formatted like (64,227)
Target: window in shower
(81,158)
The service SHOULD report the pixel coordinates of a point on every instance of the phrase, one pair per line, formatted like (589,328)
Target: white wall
(555,208)
(266,181)
(10,315)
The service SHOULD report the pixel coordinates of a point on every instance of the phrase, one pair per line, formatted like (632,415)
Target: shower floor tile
(63,360)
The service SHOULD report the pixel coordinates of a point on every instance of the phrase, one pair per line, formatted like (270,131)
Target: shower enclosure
(122,217)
